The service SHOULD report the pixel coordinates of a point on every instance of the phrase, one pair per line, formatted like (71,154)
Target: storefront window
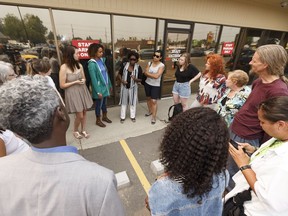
(228,41)
(137,34)
(203,42)
(25,32)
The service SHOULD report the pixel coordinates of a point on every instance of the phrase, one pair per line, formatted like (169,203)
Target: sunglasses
(157,56)
(132,59)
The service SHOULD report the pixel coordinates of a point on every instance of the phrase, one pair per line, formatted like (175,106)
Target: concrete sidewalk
(116,131)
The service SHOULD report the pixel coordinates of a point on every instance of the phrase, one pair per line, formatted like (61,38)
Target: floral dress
(210,90)
(228,107)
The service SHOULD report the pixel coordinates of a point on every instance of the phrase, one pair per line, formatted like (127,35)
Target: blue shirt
(166,197)
(56,149)
(103,70)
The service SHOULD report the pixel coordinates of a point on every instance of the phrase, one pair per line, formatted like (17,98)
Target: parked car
(243,63)
(197,52)
(27,57)
(208,51)
(146,53)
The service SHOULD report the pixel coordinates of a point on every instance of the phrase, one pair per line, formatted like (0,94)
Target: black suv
(243,61)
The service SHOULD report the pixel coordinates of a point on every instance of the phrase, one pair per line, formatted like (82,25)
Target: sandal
(85,134)
(77,135)
(148,114)
(153,121)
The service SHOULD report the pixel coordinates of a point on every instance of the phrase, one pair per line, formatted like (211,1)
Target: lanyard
(263,151)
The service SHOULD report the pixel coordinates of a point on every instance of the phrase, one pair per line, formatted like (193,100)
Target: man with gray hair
(51,178)
(268,63)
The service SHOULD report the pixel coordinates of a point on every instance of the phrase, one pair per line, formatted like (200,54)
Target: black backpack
(177,108)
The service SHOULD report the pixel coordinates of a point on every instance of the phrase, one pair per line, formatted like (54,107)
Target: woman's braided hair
(194,148)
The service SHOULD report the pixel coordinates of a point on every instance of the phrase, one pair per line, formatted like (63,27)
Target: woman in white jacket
(266,171)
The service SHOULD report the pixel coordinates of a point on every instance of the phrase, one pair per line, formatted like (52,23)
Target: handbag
(234,205)
(177,108)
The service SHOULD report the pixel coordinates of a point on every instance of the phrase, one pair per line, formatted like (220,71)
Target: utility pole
(72,32)
(106,35)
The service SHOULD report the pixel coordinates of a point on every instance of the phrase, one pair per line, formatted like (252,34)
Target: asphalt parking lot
(105,147)
(145,149)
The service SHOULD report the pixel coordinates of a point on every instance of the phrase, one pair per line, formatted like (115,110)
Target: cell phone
(235,144)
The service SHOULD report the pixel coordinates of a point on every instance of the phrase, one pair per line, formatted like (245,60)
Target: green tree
(50,35)
(13,28)
(35,28)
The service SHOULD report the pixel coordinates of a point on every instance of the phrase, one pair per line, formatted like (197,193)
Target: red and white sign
(82,46)
(227,48)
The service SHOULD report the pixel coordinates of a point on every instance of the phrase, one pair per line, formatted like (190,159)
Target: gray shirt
(62,184)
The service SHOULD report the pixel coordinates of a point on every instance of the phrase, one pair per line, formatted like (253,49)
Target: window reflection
(203,42)
(136,34)
(228,41)
(26,31)
(177,25)
(205,36)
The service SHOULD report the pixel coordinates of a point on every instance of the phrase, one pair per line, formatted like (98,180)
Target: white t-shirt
(154,70)
(271,186)
(13,143)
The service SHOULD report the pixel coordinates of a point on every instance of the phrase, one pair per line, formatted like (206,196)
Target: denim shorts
(182,89)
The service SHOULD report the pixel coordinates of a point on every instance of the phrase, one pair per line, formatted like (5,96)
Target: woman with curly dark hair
(194,153)
(212,83)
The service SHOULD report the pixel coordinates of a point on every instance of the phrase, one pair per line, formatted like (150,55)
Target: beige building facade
(195,26)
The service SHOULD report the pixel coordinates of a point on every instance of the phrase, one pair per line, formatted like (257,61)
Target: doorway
(177,40)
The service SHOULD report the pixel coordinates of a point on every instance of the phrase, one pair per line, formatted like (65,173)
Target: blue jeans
(100,105)
(232,166)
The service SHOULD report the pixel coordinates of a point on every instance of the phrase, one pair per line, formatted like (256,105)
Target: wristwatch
(245,167)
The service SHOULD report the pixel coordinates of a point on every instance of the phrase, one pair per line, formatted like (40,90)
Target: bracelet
(245,167)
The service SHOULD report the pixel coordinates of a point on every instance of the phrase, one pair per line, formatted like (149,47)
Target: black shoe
(148,114)
(153,121)
(133,119)
(122,121)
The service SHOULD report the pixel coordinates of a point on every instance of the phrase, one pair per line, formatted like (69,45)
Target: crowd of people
(204,173)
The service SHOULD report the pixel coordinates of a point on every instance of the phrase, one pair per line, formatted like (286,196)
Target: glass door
(177,40)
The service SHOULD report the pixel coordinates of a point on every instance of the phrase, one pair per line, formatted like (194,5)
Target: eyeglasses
(157,56)
(132,59)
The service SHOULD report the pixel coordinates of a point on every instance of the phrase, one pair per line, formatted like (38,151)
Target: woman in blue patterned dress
(235,95)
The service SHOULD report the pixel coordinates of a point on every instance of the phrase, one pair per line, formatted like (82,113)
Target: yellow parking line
(146,185)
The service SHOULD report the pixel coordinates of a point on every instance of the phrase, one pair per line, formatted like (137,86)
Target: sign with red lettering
(82,46)
(227,48)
